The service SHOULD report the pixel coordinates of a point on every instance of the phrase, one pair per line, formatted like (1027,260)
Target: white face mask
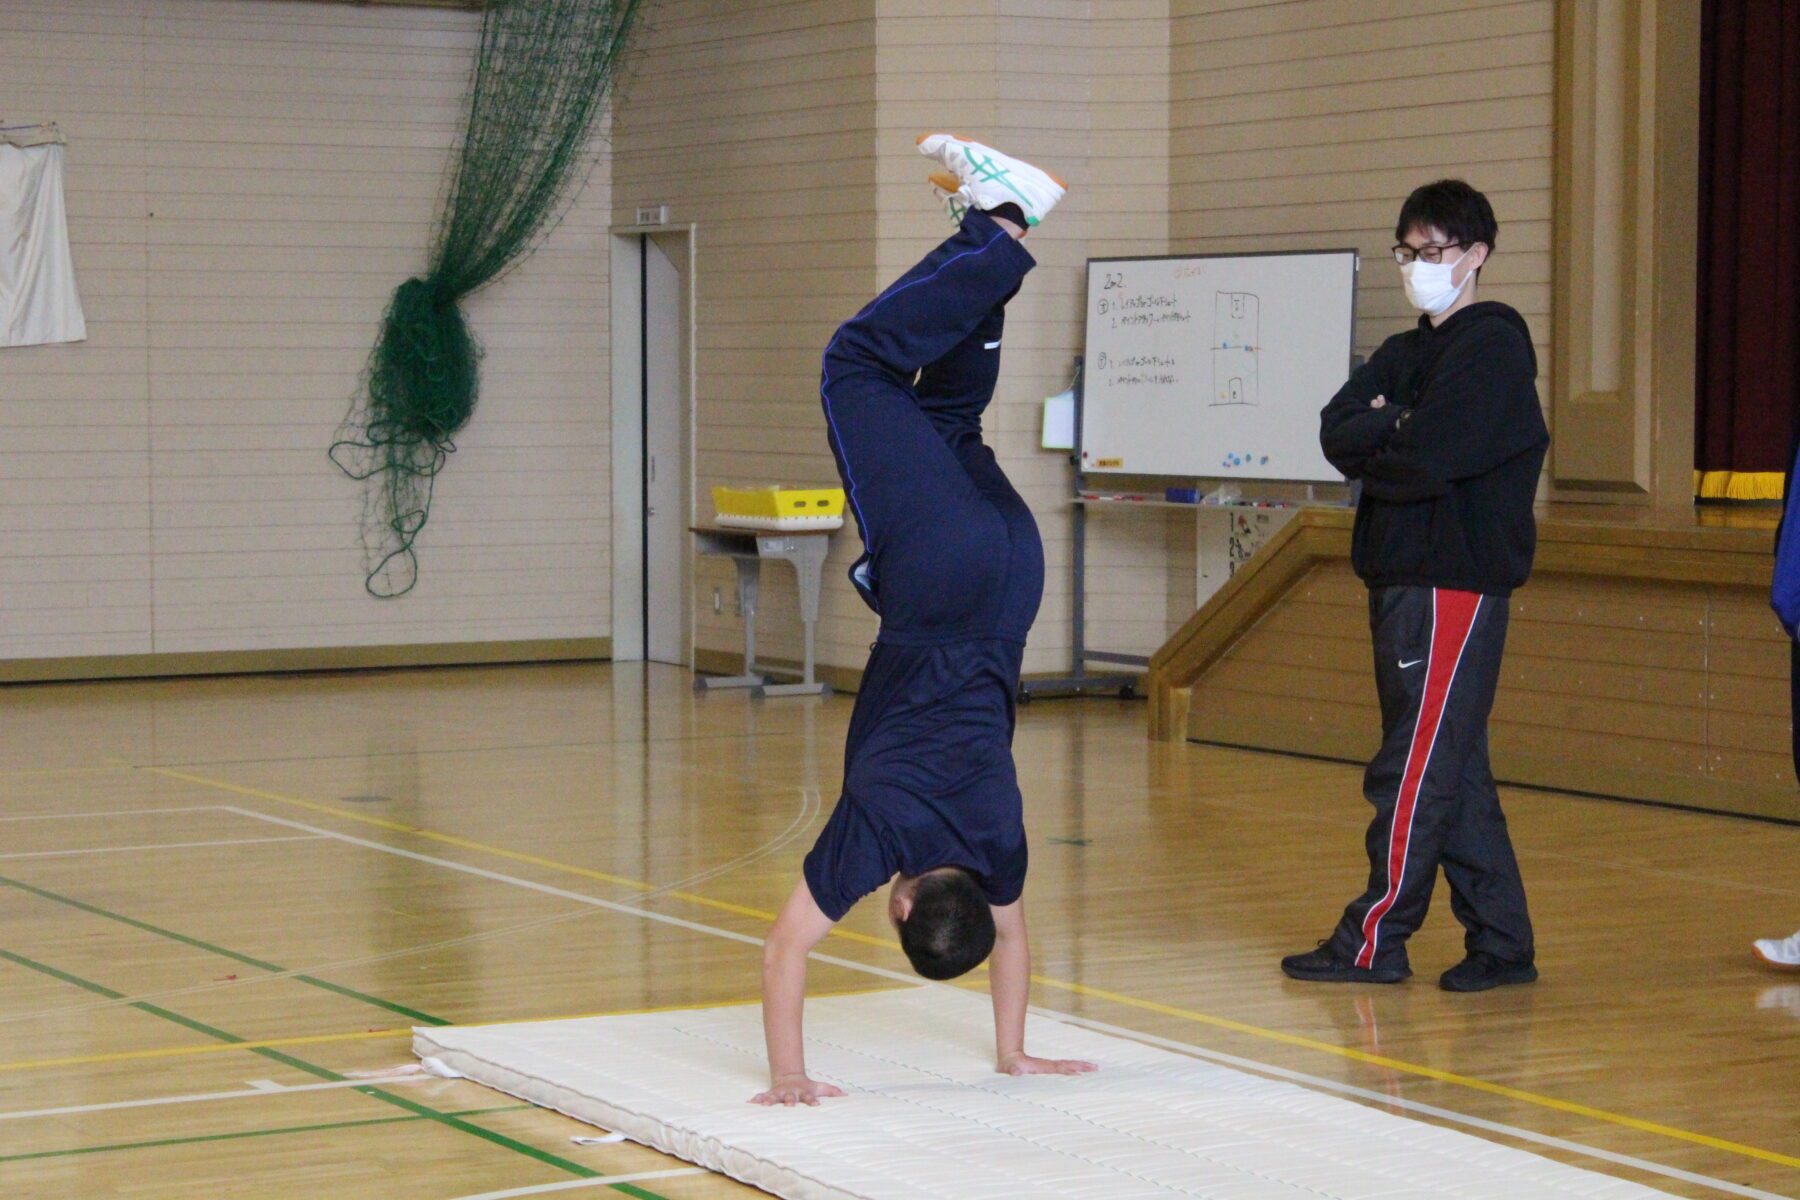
(1428,285)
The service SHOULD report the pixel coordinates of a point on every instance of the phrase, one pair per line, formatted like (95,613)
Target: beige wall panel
(247,183)
(1254,34)
(1247,171)
(1179,536)
(753,123)
(1232,19)
(1302,126)
(1305,124)
(1083,89)
(784,133)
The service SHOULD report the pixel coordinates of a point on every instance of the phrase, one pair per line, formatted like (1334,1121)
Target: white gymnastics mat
(926,1116)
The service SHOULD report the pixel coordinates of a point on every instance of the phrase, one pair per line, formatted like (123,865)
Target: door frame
(627,448)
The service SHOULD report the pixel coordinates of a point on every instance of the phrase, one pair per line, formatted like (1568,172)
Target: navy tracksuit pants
(951,551)
(1437,663)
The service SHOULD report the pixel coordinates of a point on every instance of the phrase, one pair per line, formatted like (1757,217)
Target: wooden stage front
(1642,659)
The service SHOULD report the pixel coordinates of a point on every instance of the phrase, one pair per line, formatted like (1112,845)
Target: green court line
(250,1133)
(401,1009)
(412,1106)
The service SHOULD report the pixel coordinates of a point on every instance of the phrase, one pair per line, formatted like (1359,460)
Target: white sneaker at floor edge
(990,178)
(1779,952)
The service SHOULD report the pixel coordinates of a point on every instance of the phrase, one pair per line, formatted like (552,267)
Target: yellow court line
(447,839)
(375,1034)
(63,770)
(1080,989)
(32,1064)
(1468,1081)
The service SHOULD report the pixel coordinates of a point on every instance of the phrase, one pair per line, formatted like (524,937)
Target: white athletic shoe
(989,178)
(949,189)
(1779,952)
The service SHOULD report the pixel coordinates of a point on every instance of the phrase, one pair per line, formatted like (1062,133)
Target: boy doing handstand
(953,564)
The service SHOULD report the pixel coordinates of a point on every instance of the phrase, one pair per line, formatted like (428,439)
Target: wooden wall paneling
(247,184)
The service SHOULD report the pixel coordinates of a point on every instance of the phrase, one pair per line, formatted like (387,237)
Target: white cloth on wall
(38,300)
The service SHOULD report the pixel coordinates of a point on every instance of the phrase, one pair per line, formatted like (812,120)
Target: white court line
(569,1185)
(882,972)
(255,1087)
(123,812)
(565,894)
(160,846)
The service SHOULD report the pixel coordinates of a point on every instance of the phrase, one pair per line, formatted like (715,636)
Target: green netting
(544,69)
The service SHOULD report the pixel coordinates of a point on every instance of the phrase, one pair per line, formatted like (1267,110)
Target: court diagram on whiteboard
(1235,350)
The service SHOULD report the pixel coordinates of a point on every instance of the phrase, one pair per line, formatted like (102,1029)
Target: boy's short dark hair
(1451,205)
(950,929)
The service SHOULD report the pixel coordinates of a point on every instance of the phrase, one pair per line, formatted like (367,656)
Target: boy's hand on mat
(790,1090)
(1378,402)
(1024,1064)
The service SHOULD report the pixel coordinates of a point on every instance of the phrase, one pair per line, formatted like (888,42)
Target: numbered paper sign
(1215,365)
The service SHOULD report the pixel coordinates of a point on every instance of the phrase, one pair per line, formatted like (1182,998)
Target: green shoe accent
(989,174)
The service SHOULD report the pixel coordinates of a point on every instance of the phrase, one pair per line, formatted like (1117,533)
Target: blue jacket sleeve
(1784,596)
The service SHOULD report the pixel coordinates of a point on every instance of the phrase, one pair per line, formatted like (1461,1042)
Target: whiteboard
(1215,366)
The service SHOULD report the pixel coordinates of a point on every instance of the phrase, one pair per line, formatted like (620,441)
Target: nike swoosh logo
(1415,662)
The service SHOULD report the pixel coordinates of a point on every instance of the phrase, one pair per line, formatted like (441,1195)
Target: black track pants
(1437,661)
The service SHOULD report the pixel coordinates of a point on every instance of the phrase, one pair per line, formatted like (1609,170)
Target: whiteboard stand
(1205,366)
(1079,680)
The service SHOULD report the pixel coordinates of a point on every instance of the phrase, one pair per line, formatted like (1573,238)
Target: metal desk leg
(749,572)
(808,556)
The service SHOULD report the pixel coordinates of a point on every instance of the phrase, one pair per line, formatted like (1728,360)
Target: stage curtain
(1748,385)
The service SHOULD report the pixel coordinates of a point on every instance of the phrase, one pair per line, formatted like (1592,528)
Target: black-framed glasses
(1431,252)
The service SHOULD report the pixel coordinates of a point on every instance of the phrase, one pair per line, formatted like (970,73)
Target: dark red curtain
(1749,302)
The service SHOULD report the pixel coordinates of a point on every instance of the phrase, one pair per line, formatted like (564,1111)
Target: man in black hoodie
(1443,429)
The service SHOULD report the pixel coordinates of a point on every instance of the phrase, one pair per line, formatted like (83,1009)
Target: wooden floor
(254,886)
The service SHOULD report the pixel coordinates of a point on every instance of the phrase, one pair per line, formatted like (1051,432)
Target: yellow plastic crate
(779,507)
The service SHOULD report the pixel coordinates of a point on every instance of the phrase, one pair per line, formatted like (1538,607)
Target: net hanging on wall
(543,71)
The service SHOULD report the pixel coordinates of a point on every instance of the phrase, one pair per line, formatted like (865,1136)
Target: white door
(664,466)
(650,439)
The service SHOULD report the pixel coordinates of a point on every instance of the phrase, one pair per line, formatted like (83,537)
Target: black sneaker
(1481,971)
(1326,965)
